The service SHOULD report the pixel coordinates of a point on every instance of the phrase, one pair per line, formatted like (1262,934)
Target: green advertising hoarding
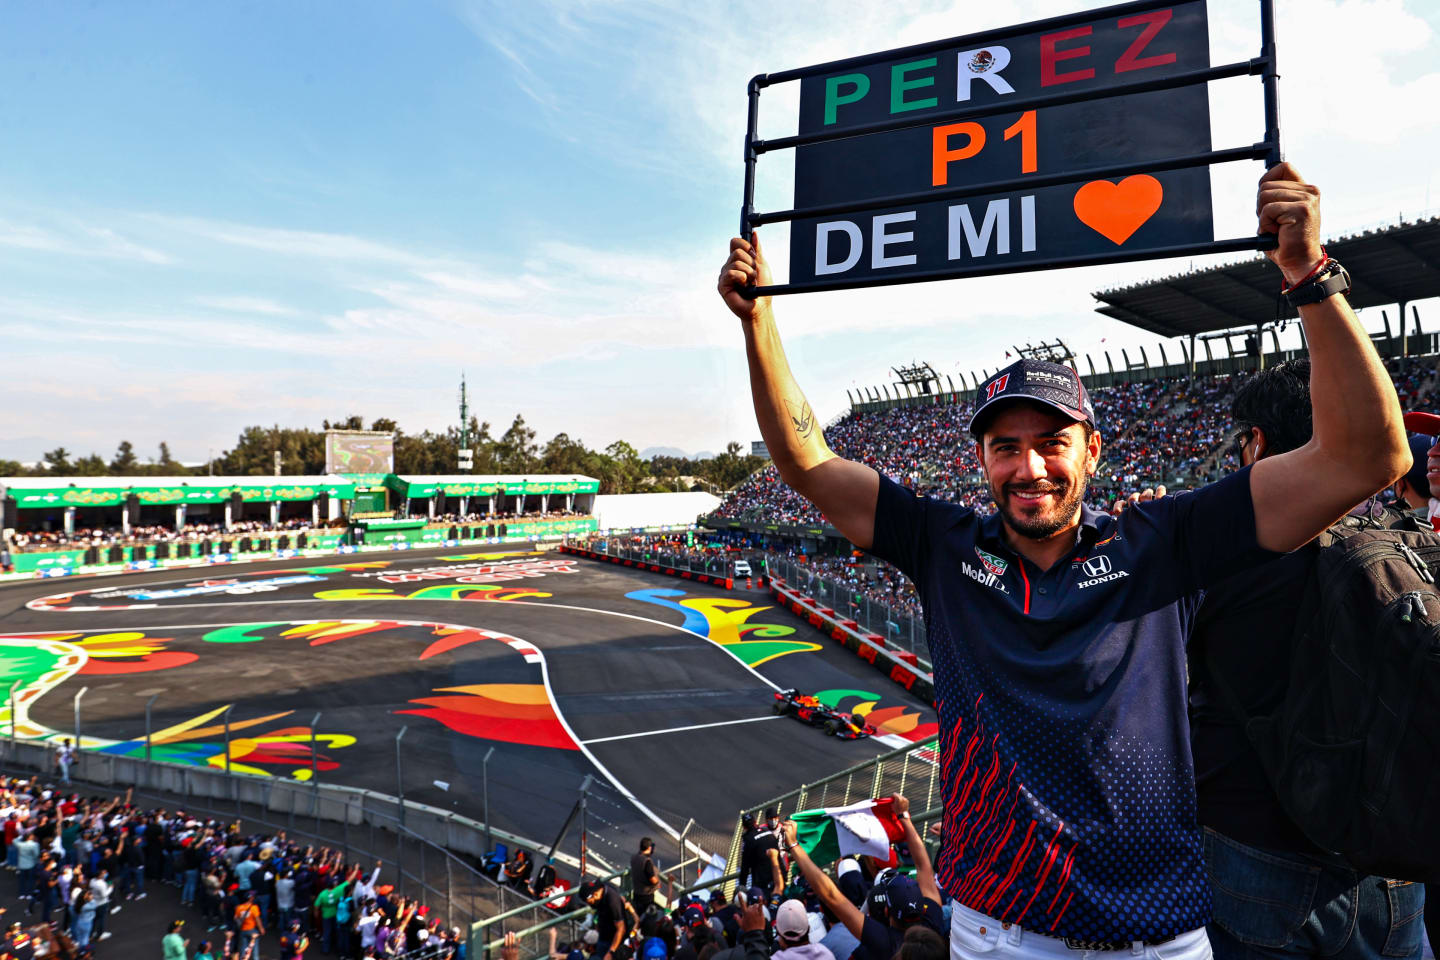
(175,495)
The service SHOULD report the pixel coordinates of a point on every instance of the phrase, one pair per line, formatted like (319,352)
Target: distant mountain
(703,455)
(650,453)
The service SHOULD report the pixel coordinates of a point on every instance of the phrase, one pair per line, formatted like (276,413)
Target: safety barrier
(670,570)
(901,666)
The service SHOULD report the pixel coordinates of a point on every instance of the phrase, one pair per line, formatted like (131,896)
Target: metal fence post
(226,718)
(149,769)
(82,693)
(485,796)
(13,688)
(399,778)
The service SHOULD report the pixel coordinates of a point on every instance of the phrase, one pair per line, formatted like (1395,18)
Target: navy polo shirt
(1067,781)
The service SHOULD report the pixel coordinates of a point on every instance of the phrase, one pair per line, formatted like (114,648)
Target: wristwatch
(1327,281)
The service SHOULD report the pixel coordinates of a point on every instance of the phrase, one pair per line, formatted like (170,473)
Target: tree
(515,451)
(58,462)
(11,468)
(383,425)
(91,466)
(167,464)
(124,462)
(352,422)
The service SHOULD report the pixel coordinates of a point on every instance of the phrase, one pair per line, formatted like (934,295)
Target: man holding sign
(1058,634)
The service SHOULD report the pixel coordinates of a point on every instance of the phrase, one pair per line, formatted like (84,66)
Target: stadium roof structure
(43,492)
(1397,264)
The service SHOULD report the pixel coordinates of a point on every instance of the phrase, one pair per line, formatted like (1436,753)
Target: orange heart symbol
(1117,210)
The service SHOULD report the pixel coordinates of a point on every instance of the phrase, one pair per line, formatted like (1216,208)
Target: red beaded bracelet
(1324,259)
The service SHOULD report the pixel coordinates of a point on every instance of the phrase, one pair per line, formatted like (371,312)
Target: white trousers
(975,936)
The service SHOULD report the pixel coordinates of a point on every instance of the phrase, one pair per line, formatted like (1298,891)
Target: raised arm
(924,872)
(1358,444)
(820,882)
(843,490)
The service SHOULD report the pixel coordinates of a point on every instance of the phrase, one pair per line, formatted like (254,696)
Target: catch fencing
(901,630)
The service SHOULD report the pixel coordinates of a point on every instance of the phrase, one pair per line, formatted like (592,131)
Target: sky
(216,215)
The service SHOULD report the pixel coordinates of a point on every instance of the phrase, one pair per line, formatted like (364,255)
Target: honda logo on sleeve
(1099,570)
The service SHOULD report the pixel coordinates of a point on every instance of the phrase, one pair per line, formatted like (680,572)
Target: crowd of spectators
(1178,433)
(786,907)
(115,535)
(79,861)
(499,516)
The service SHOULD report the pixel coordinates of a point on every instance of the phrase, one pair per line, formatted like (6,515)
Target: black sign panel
(1080,139)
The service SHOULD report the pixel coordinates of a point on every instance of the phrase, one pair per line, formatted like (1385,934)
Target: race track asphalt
(659,687)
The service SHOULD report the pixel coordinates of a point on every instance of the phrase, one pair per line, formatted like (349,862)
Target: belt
(1074,944)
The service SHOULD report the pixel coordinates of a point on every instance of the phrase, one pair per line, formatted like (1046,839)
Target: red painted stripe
(1063,909)
(990,850)
(1064,879)
(1015,863)
(1049,861)
(1011,905)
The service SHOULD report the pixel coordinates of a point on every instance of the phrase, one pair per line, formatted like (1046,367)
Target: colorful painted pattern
(725,621)
(900,720)
(36,664)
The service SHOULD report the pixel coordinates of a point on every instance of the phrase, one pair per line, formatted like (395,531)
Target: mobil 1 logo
(1020,226)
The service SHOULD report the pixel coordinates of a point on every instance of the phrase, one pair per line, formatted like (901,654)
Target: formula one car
(810,710)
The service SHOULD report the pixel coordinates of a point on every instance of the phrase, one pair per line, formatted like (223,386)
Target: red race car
(810,710)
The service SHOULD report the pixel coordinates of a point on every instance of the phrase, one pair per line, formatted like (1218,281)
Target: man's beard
(1067,498)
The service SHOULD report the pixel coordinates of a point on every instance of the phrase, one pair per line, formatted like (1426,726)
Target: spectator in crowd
(64,758)
(615,919)
(792,927)
(172,945)
(644,878)
(517,871)
(760,854)
(896,904)
(1270,883)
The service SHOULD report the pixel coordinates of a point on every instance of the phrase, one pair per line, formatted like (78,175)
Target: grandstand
(55,525)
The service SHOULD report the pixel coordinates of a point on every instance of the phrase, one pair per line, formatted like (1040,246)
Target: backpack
(652,949)
(1351,751)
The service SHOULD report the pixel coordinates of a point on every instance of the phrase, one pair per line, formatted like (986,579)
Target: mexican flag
(868,827)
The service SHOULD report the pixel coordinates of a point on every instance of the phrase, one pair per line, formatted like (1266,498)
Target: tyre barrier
(901,666)
(727,583)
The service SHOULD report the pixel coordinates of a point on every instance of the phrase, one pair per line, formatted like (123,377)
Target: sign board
(758,449)
(1083,139)
(359,451)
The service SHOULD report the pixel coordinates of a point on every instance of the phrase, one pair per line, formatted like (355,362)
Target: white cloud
(79,240)
(251,305)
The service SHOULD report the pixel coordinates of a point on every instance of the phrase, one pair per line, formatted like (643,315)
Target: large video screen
(355,451)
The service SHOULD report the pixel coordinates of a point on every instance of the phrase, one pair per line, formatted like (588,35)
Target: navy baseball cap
(1053,384)
(1418,476)
(905,900)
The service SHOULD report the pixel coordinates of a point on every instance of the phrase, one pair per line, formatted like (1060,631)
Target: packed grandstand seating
(1161,432)
(79,861)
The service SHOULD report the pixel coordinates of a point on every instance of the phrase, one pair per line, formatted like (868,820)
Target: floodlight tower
(465,455)
(1056,352)
(919,376)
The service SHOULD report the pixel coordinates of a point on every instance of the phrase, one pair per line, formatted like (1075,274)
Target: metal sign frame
(1267,149)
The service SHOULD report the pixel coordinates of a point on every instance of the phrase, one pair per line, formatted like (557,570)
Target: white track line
(696,726)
